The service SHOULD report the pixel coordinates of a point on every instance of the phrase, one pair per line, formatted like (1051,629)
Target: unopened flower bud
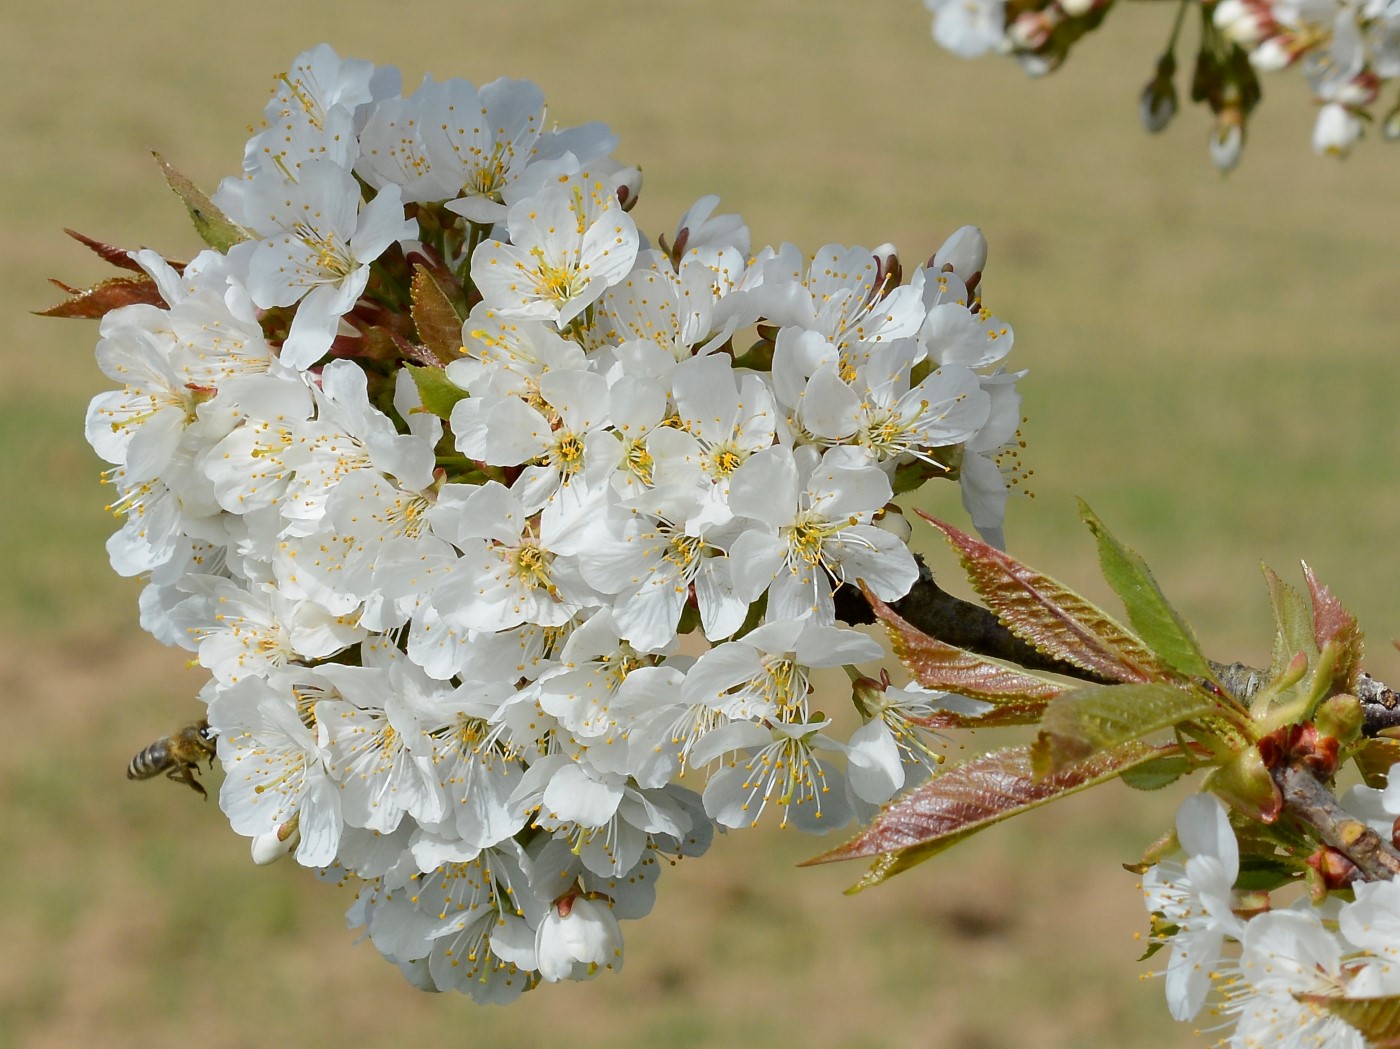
(1243,22)
(578,937)
(965,254)
(1336,131)
(1030,30)
(1077,8)
(1340,717)
(1157,105)
(1227,139)
(888,272)
(891,520)
(1273,54)
(1330,870)
(629,187)
(272,846)
(1390,125)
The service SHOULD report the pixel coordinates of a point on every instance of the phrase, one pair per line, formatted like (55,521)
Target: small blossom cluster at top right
(1349,53)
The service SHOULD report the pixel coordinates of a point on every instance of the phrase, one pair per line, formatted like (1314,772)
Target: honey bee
(177,755)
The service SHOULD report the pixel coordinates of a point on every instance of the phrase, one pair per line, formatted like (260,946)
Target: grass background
(1214,369)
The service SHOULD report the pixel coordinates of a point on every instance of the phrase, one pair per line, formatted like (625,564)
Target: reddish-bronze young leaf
(96,302)
(935,664)
(970,797)
(1003,714)
(1333,623)
(1376,1018)
(1050,616)
(119,257)
(438,323)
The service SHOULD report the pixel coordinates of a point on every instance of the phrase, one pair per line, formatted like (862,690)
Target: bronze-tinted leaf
(935,664)
(96,302)
(434,315)
(1050,616)
(1003,714)
(970,797)
(119,257)
(1332,623)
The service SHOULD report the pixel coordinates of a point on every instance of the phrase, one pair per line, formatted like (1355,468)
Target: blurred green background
(1214,369)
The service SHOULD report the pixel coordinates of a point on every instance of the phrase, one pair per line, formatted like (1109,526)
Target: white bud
(965,253)
(629,187)
(272,846)
(1336,131)
(578,938)
(894,522)
(1272,55)
(1226,145)
(1390,125)
(1242,23)
(1157,104)
(1077,8)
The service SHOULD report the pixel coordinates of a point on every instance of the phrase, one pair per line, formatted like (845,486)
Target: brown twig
(957,622)
(1312,803)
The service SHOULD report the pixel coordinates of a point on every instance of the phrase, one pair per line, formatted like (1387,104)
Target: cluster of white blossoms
(1348,51)
(1258,966)
(443,605)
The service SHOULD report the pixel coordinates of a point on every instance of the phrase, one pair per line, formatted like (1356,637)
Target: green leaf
(435,317)
(437,391)
(1160,773)
(971,797)
(936,664)
(1085,721)
(212,225)
(1376,1018)
(1334,625)
(1292,621)
(1051,617)
(1263,873)
(1154,619)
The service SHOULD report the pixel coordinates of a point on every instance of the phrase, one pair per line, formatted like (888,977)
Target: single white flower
(568,244)
(578,937)
(316,250)
(1195,896)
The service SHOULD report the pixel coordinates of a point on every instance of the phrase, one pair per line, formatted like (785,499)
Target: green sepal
(438,393)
